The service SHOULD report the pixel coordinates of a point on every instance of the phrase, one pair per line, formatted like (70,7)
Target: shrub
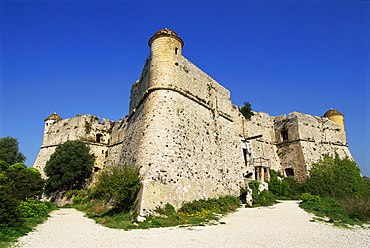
(9,212)
(277,186)
(24,182)
(167,210)
(33,208)
(344,193)
(335,177)
(309,197)
(263,198)
(119,186)
(246,110)
(221,205)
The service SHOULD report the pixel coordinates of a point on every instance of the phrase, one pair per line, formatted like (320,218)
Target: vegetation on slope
(111,202)
(343,195)
(335,190)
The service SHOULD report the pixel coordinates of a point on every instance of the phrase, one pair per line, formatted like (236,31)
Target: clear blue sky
(81,57)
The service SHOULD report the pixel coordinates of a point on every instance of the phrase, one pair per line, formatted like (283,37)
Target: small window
(289,172)
(284,134)
(176,50)
(99,137)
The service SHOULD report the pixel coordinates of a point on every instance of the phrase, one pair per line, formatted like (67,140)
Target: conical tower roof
(165,33)
(332,112)
(54,116)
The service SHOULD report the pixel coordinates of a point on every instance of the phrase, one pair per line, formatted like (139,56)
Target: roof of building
(54,116)
(332,112)
(165,33)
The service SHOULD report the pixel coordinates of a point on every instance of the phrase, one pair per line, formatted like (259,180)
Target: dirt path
(283,225)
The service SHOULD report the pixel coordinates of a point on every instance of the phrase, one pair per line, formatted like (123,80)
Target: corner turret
(337,117)
(165,44)
(51,119)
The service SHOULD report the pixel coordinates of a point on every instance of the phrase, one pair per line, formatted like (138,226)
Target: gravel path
(283,225)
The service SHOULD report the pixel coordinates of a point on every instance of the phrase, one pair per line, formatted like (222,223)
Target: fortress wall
(101,152)
(186,152)
(182,75)
(310,138)
(291,157)
(263,147)
(139,87)
(193,79)
(42,158)
(84,127)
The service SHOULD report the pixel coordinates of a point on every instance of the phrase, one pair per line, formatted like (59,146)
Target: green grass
(335,211)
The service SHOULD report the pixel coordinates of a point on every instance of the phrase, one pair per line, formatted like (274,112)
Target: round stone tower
(165,44)
(165,52)
(338,118)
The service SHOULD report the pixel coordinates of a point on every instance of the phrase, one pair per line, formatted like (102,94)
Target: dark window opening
(176,50)
(289,172)
(266,174)
(99,137)
(96,169)
(245,153)
(284,134)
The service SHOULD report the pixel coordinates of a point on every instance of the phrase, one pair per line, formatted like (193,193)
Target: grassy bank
(33,213)
(200,212)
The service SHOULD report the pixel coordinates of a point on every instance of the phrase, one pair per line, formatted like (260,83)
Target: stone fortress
(188,138)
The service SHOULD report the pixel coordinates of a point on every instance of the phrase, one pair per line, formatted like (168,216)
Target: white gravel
(283,225)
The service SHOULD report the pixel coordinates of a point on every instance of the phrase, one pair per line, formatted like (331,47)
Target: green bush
(284,188)
(344,193)
(277,186)
(246,110)
(263,198)
(335,177)
(167,210)
(24,182)
(223,204)
(33,208)
(309,197)
(119,186)
(10,216)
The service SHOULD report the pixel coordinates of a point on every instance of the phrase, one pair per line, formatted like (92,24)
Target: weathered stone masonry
(189,139)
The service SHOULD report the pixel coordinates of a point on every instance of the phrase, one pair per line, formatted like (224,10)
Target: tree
(9,151)
(17,184)
(69,166)
(246,110)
